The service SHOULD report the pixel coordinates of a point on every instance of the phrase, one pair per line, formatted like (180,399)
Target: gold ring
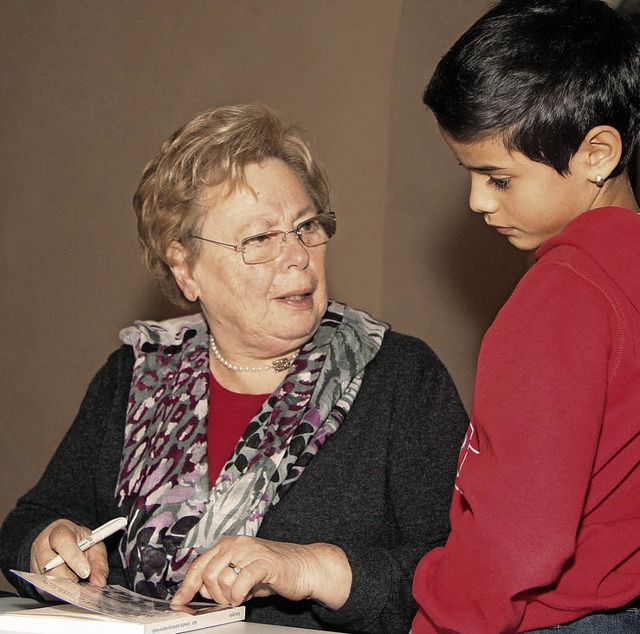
(235,568)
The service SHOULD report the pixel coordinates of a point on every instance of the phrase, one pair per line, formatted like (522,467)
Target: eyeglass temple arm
(235,247)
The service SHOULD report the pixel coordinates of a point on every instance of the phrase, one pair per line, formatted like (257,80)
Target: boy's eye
(499,183)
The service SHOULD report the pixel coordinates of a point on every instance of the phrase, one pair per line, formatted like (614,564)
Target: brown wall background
(91,88)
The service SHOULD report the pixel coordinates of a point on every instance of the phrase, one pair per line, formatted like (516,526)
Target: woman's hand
(320,572)
(61,538)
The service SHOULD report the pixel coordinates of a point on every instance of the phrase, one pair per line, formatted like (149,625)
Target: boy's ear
(178,261)
(600,151)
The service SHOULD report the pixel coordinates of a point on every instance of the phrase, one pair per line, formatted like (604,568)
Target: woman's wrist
(331,574)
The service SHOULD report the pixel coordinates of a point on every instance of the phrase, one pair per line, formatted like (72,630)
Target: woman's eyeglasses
(265,247)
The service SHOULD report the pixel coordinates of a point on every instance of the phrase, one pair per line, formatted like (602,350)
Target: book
(109,610)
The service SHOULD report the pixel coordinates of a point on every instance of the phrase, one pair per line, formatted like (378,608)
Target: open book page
(65,618)
(118,602)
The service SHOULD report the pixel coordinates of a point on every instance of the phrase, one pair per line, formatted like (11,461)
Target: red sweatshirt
(546,513)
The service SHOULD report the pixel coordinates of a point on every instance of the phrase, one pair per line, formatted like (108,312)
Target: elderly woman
(276,448)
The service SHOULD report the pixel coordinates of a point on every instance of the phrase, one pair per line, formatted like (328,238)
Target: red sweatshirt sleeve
(526,463)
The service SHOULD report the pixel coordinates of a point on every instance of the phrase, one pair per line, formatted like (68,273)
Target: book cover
(113,610)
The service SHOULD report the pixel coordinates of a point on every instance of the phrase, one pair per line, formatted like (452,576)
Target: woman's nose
(295,252)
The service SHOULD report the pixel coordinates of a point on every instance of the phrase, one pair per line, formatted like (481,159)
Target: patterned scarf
(175,515)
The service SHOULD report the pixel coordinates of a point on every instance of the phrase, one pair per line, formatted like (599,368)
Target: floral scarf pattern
(175,515)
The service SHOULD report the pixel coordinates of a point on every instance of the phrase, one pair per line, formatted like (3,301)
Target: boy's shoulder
(597,229)
(600,244)
(587,269)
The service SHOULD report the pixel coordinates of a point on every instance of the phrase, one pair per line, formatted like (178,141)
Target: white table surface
(239,627)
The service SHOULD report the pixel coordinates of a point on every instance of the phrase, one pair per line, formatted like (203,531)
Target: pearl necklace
(279,365)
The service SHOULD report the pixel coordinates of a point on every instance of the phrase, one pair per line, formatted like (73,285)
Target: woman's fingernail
(84,571)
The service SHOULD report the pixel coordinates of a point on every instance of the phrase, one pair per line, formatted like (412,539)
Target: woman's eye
(308,226)
(258,240)
(499,183)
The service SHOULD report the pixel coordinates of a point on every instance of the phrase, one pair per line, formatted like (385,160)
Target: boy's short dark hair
(541,73)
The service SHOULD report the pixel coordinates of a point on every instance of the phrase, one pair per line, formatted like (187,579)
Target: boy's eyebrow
(487,168)
(481,168)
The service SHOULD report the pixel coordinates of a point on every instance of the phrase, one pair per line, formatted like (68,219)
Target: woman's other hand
(320,572)
(61,538)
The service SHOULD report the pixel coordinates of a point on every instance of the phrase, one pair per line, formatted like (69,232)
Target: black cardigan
(380,488)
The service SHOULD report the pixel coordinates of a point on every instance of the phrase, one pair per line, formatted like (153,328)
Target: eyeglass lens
(267,246)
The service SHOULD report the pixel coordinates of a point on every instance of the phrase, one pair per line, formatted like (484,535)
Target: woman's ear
(600,152)
(179,264)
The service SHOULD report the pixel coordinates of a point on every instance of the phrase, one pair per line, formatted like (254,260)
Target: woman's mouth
(302,299)
(296,298)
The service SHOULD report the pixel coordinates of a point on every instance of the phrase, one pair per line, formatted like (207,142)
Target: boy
(540,102)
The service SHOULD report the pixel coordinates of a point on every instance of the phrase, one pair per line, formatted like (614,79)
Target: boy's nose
(481,197)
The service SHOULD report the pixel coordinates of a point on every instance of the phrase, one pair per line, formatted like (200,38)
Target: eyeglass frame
(240,248)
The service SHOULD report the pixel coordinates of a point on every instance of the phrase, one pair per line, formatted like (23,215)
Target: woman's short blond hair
(213,149)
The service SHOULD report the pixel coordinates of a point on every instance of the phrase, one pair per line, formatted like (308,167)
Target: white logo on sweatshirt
(464,452)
